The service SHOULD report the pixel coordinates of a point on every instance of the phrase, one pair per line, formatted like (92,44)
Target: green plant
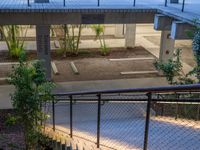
(171,68)
(99,31)
(11,35)
(10,120)
(71,39)
(31,91)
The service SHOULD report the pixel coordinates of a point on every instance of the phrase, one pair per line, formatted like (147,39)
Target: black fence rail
(143,118)
(134,3)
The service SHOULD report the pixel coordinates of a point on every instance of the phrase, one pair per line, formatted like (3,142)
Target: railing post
(183,5)
(64,3)
(176,117)
(98,3)
(198,111)
(146,132)
(98,120)
(71,116)
(53,115)
(28,1)
(163,108)
(177,107)
(165,3)
(134,2)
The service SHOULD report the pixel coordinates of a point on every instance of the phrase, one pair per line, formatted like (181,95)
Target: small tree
(31,91)
(11,35)
(99,31)
(171,68)
(70,40)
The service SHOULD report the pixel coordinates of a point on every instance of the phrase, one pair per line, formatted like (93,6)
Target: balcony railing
(140,118)
(179,4)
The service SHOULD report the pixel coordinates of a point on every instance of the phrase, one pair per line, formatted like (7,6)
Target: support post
(98,120)
(64,3)
(148,111)
(43,47)
(119,30)
(166,46)
(53,115)
(98,3)
(71,116)
(130,35)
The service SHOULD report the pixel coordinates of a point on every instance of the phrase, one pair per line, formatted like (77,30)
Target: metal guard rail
(149,98)
(161,89)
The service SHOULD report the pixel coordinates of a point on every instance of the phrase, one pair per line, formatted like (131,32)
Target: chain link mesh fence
(173,124)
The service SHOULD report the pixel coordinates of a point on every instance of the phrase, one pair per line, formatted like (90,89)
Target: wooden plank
(74,68)
(132,59)
(137,72)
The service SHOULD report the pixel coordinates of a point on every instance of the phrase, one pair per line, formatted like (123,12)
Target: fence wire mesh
(85,120)
(173,124)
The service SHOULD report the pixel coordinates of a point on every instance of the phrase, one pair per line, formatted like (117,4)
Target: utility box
(41,1)
(174,1)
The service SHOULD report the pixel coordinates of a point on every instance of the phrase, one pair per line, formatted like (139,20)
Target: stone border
(133,59)
(138,72)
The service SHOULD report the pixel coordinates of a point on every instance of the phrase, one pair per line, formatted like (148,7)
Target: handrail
(161,89)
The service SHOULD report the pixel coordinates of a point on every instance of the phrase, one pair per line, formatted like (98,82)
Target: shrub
(31,91)
(99,31)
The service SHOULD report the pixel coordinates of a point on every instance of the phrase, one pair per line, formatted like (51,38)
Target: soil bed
(11,137)
(93,66)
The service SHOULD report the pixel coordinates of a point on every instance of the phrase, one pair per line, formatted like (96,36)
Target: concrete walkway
(5,90)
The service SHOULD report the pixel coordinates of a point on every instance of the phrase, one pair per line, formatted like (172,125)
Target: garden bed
(93,66)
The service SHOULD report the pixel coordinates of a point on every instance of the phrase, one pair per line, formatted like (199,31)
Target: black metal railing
(131,118)
(165,3)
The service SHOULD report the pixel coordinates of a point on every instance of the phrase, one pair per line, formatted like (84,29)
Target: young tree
(71,40)
(11,34)
(172,69)
(99,31)
(31,91)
